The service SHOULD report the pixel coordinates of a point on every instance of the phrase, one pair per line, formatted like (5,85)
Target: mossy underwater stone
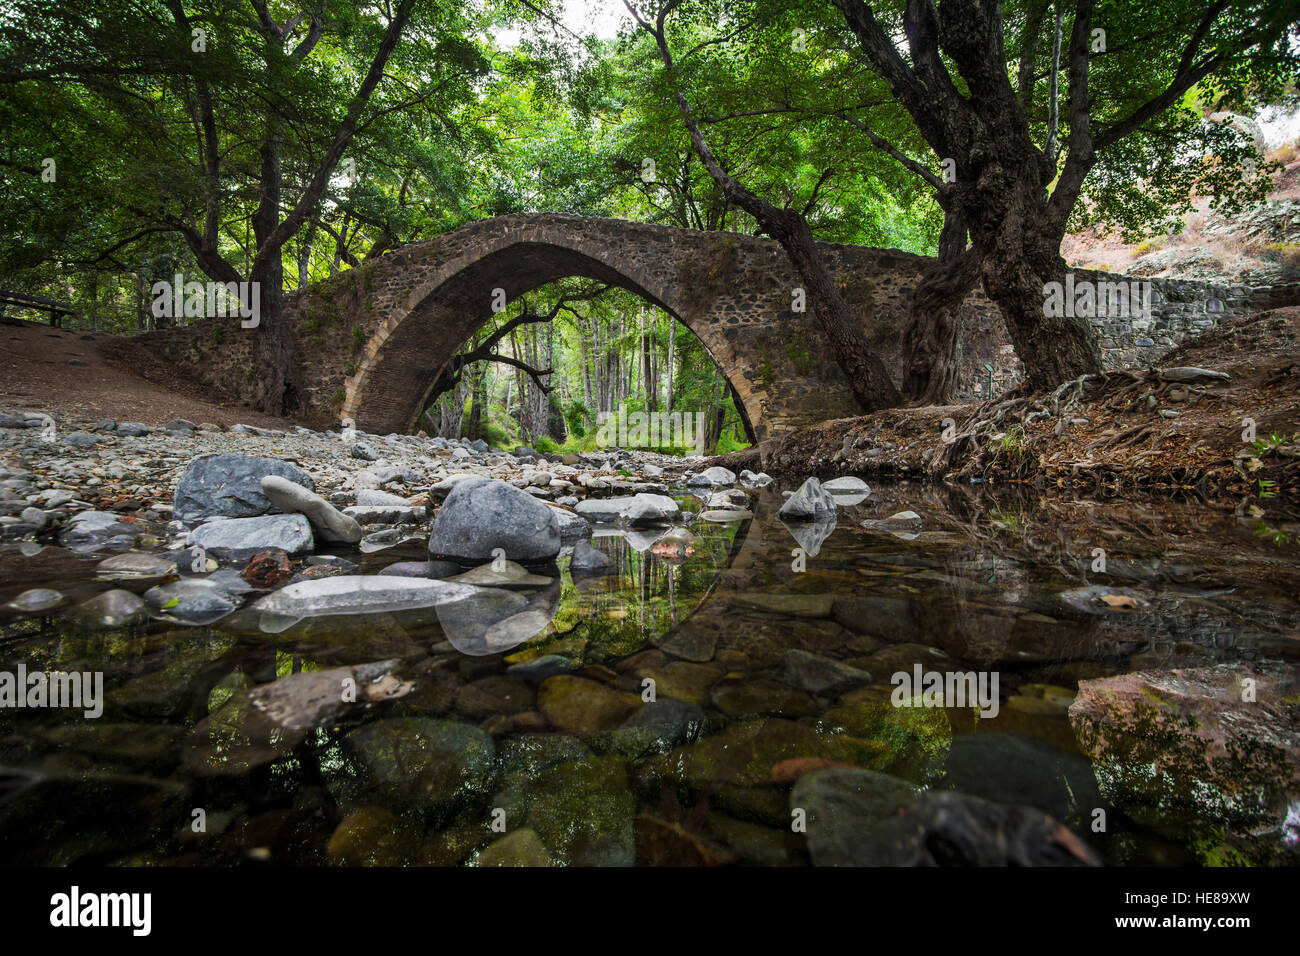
(581,809)
(421,762)
(579,705)
(914,740)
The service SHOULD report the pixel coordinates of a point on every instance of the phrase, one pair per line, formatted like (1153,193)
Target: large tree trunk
(866,373)
(1054,349)
(1018,241)
(929,349)
(277,389)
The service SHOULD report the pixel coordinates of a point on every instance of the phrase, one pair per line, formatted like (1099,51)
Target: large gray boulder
(810,503)
(647,510)
(483,514)
(712,477)
(230,486)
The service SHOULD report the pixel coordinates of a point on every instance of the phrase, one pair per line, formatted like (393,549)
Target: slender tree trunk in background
(588,361)
(510,389)
(672,359)
(462,396)
(478,399)
(654,361)
(647,370)
(745,424)
(929,351)
(714,418)
(304,256)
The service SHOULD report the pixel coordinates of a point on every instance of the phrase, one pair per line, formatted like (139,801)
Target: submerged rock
(821,675)
(494,620)
(579,705)
(191,601)
(725,515)
(1098,599)
(423,569)
(383,540)
(135,566)
(308,699)
(355,594)
(522,847)
(1007,768)
(582,809)
(903,522)
(421,763)
(88,530)
(36,600)
(862,818)
(115,608)
(511,574)
(1188,740)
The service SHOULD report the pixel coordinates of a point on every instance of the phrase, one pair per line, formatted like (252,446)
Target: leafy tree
(1026,122)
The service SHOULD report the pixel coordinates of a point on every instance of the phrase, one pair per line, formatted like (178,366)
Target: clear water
(465,744)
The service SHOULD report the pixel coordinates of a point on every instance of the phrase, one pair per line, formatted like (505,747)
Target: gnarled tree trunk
(929,349)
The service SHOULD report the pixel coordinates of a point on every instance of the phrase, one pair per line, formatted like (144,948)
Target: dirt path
(71,374)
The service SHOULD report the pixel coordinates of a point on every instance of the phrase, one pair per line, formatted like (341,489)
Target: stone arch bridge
(373,340)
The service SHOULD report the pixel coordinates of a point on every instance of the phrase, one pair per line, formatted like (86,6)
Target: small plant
(351,369)
(1274,441)
(1277,537)
(358,337)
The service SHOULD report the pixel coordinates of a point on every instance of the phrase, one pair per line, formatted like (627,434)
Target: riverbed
(730,698)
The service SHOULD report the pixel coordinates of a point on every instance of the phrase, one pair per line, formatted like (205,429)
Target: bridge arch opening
(414,349)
